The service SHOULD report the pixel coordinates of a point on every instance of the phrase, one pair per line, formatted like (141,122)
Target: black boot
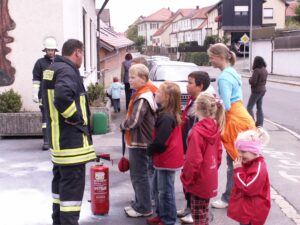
(45,146)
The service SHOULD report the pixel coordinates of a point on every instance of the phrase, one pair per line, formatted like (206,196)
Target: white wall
(263,49)
(73,28)
(35,20)
(286,62)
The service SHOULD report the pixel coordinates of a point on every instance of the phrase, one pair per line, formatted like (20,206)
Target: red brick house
(113,47)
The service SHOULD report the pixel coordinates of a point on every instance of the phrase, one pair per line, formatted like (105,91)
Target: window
(241,10)
(175,26)
(153,26)
(268,13)
(84,36)
(91,41)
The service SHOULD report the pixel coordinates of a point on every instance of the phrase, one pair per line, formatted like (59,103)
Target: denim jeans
(163,186)
(138,161)
(150,175)
(116,104)
(229,183)
(256,98)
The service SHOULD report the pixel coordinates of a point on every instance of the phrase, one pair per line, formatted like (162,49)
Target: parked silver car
(177,72)
(154,58)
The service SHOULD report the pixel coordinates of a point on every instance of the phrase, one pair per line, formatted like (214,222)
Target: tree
(140,41)
(132,34)
(210,40)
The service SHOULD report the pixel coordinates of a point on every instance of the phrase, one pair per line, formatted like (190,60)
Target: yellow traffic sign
(245,39)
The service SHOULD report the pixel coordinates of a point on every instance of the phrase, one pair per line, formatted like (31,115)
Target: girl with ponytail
(203,158)
(237,117)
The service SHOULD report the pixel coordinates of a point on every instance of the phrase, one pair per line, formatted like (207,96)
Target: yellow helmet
(50,43)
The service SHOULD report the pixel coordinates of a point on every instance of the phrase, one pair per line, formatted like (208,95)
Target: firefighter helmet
(50,43)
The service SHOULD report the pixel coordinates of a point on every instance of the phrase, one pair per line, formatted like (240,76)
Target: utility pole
(251,32)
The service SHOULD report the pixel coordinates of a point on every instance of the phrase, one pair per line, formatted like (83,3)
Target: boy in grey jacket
(138,126)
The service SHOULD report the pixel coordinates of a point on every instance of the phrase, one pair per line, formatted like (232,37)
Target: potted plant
(97,101)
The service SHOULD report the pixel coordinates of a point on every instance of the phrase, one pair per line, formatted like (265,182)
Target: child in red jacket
(166,151)
(249,201)
(203,158)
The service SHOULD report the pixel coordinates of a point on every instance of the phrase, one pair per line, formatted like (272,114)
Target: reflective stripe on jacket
(66,103)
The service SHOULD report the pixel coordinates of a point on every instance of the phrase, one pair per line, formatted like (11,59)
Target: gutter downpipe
(98,39)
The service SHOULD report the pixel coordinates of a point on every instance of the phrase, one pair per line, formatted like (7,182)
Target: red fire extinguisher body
(100,189)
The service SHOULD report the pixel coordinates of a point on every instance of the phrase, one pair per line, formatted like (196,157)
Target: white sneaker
(219,204)
(133,213)
(188,219)
(183,212)
(127,208)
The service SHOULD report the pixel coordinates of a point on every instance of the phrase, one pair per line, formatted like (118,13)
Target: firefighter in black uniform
(50,48)
(67,115)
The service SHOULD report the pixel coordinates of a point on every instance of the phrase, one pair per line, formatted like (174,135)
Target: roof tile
(113,38)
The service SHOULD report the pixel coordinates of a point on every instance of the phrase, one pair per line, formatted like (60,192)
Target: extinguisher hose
(123,146)
(123,142)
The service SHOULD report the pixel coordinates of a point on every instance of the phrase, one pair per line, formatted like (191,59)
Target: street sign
(245,39)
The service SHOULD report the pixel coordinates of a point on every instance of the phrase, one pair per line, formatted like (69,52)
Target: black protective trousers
(67,190)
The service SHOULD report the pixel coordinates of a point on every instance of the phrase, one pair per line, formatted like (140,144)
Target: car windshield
(174,72)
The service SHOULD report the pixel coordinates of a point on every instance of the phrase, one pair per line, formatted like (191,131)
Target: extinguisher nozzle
(104,156)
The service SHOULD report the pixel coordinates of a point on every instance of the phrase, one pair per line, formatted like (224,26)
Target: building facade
(60,19)
(274,13)
(150,24)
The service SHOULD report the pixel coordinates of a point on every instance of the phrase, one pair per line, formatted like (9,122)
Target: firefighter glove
(35,92)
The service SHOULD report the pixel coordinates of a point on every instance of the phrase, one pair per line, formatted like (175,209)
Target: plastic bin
(99,123)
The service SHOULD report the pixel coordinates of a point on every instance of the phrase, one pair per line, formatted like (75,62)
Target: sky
(124,12)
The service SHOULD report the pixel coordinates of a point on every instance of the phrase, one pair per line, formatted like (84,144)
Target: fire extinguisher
(100,186)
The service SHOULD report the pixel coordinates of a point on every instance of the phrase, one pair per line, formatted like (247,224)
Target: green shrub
(199,58)
(96,94)
(187,57)
(10,102)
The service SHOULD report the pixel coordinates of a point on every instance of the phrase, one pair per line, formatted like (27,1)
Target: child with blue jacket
(114,91)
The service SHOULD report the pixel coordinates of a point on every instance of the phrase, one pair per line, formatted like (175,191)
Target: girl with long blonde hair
(166,151)
(237,117)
